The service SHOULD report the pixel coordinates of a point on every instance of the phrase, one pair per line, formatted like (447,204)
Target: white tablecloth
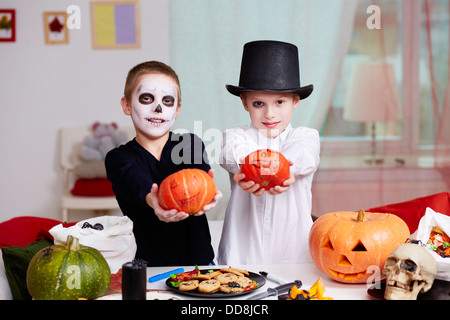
(306,273)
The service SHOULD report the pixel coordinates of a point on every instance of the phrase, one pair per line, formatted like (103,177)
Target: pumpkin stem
(72,243)
(361,216)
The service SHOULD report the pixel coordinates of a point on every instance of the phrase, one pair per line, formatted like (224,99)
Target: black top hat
(270,66)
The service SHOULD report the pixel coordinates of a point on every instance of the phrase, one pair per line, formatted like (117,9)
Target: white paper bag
(115,241)
(430,220)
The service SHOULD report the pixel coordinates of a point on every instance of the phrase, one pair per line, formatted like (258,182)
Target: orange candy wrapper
(314,293)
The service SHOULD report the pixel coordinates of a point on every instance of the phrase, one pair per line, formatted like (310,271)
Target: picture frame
(7,25)
(55,29)
(115,24)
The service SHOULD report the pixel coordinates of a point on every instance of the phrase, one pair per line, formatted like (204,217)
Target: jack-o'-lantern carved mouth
(344,262)
(347,276)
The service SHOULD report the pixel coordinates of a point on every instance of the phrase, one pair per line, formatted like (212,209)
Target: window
(434,27)
(401,42)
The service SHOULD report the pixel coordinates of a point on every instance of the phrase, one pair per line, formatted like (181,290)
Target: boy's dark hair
(149,67)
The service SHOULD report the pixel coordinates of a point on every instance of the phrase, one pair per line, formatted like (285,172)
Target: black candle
(134,280)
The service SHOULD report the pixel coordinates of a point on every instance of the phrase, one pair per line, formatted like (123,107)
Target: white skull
(410,270)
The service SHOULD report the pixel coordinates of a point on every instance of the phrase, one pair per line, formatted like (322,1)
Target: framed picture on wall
(55,28)
(115,24)
(7,25)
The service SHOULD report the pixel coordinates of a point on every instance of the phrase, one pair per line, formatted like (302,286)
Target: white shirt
(270,229)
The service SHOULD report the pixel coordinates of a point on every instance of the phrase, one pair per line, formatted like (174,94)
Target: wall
(45,87)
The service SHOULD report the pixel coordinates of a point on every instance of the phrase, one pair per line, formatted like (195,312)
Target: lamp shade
(373,93)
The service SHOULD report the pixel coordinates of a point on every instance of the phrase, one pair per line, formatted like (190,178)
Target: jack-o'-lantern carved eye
(359,246)
(327,244)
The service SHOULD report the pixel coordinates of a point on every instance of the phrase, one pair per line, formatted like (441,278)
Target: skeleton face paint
(154,105)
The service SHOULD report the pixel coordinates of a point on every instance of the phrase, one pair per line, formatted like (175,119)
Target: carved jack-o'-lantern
(345,244)
(266,167)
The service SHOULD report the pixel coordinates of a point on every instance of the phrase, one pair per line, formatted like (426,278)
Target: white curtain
(206,42)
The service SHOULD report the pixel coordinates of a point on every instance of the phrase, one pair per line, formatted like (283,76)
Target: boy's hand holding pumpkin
(249,186)
(162,214)
(256,189)
(213,203)
(173,215)
(286,184)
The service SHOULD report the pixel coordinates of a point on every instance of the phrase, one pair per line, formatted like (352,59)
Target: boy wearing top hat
(268,227)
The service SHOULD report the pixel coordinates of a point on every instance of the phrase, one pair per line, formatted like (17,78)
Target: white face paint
(154,105)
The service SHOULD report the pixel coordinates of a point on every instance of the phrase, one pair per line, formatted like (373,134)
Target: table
(307,273)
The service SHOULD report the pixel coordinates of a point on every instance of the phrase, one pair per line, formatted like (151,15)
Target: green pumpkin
(68,272)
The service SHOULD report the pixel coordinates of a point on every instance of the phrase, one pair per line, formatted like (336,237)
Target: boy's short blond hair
(149,67)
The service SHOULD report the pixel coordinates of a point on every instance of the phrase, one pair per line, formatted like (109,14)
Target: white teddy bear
(105,138)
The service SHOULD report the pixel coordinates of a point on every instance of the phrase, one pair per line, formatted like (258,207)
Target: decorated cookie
(209,286)
(236,271)
(188,285)
(224,278)
(244,281)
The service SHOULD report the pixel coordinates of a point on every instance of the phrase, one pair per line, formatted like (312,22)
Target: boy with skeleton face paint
(152,98)
(154,106)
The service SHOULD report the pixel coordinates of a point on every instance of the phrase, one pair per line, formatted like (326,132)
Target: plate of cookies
(215,283)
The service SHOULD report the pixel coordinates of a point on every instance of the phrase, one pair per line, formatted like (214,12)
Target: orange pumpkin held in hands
(345,244)
(187,190)
(266,167)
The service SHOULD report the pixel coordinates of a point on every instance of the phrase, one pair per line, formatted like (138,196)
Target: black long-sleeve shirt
(132,170)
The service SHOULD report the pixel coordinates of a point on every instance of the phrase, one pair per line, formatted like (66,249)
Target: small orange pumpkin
(345,244)
(187,190)
(268,168)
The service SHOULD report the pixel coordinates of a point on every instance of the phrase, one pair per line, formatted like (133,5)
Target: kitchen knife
(277,290)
